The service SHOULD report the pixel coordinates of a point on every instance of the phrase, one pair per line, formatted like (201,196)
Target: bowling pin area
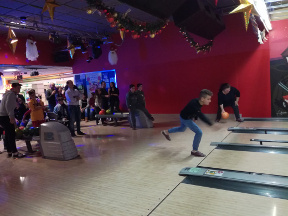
(122,172)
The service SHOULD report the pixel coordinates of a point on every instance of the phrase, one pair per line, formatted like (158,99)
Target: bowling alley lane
(258,162)
(189,199)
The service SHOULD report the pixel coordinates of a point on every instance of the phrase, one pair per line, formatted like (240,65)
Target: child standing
(192,111)
(36,106)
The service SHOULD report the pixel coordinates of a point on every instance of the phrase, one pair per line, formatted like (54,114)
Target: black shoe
(80,133)
(239,120)
(152,119)
(9,155)
(73,135)
(217,120)
(166,135)
(18,155)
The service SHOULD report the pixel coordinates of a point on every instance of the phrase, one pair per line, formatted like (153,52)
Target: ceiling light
(10,70)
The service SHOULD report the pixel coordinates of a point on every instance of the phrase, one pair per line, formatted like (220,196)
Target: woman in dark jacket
(228,96)
(114,97)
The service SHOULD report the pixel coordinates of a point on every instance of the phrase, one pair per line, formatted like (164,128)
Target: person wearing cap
(7,119)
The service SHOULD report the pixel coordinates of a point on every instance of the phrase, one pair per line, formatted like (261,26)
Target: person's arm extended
(222,108)
(204,118)
(237,94)
(50,94)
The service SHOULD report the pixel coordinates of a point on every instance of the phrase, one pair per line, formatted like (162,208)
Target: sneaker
(166,135)
(80,133)
(18,155)
(217,120)
(198,154)
(9,154)
(239,120)
(152,119)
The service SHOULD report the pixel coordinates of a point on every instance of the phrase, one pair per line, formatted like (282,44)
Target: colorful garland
(124,23)
(204,48)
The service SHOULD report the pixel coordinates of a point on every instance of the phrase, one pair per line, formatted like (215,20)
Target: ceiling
(25,70)
(278,9)
(71,18)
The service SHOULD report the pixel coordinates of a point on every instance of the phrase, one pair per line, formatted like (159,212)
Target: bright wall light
(10,70)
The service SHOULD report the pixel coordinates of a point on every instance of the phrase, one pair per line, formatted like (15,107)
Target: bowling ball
(36,131)
(225,115)
(19,133)
(21,128)
(102,112)
(108,111)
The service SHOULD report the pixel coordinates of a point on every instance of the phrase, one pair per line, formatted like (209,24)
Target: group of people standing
(135,100)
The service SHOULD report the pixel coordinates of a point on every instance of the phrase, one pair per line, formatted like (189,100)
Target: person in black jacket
(192,111)
(228,96)
(50,96)
(131,102)
(141,103)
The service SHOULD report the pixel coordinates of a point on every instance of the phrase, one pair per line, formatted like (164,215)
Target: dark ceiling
(71,16)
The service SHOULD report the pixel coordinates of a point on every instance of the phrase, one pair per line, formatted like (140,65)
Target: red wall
(45,50)
(278,38)
(172,73)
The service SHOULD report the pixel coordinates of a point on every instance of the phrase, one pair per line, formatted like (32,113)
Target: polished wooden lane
(247,161)
(119,172)
(190,200)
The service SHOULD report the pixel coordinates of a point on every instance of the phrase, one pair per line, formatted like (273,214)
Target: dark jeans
(145,111)
(51,107)
(133,116)
(74,115)
(114,105)
(9,133)
(235,109)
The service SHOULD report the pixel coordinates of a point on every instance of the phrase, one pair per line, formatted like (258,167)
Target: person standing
(192,111)
(51,96)
(131,102)
(141,103)
(114,97)
(37,109)
(104,96)
(7,120)
(228,96)
(73,96)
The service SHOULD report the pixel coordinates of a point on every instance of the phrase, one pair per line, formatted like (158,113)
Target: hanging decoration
(12,40)
(31,49)
(204,48)
(245,7)
(50,6)
(216,2)
(71,48)
(112,56)
(124,23)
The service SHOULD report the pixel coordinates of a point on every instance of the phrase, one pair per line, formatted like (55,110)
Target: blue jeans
(192,126)
(74,115)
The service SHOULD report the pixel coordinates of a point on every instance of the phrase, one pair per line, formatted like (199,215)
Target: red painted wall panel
(172,73)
